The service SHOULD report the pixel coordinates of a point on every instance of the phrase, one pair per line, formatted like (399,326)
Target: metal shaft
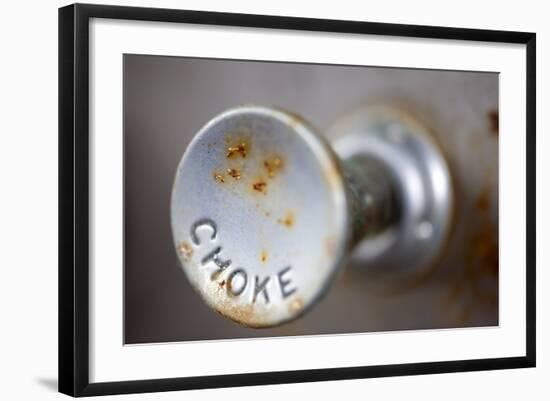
(374,203)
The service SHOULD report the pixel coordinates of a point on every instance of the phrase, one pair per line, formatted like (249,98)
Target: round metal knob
(264,212)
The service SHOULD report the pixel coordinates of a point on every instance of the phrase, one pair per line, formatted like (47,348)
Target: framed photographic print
(251,199)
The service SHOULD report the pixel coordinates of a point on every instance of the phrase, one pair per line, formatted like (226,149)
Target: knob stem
(373,198)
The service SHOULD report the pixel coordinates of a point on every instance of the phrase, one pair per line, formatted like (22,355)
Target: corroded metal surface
(260,215)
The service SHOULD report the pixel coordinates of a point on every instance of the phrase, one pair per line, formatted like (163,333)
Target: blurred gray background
(168,99)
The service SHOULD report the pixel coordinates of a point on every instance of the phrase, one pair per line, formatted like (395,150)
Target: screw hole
(424,230)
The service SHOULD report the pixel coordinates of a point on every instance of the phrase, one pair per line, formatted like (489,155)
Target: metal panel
(167,100)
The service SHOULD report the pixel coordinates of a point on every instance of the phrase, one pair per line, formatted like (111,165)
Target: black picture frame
(74,191)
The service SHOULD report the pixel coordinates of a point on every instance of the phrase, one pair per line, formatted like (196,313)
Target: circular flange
(421,179)
(259,215)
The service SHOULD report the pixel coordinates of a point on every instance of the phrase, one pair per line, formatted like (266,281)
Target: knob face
(259,215)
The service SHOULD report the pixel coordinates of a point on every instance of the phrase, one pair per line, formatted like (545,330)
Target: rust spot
(267,214)
(296,305)
(333,174)
(296,120)
(237,148)
(273,166)
(218,177)
(477,283)
(483,252)
(237,144)
(493,122)
(259,186)
(483,201)
(263,256)
(221,283)
(186,250)
(288,220)
(233,172)
(229,287)
(243,314)
(216,274)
